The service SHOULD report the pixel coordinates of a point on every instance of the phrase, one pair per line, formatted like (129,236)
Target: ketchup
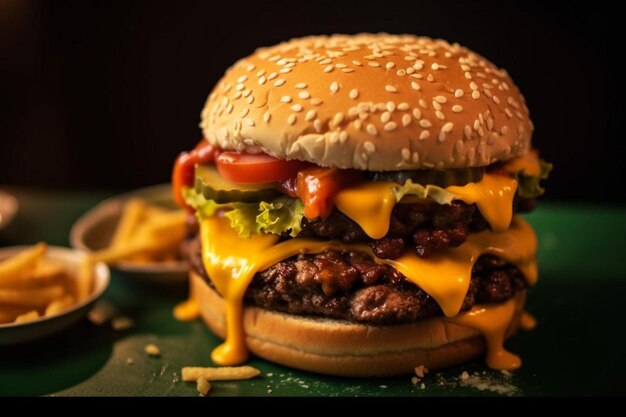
(184,168)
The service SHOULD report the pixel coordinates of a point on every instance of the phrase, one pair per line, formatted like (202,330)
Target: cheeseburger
(354,206)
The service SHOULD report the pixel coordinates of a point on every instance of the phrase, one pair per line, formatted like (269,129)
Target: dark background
(106,93)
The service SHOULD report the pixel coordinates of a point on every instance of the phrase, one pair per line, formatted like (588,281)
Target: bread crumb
(122,323)
(270,374)
(422,386)
(383,386)
(415,380)
(203,386)
(130,361)
(152,350)
(464,376)
(420,371)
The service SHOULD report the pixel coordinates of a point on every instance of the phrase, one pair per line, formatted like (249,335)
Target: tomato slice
(184,168)
(318,187)
(253,168)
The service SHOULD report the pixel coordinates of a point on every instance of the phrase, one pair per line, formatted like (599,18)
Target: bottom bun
(338,347)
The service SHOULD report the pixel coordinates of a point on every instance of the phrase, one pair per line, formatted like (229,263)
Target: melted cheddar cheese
(370,204)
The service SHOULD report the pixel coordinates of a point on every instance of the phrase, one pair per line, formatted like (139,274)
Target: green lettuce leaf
(529,186)
(278,216)
(433,192)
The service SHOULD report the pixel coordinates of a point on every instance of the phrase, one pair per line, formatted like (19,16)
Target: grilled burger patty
(351,286)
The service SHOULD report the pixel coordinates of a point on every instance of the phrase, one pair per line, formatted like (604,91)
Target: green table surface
(577,348)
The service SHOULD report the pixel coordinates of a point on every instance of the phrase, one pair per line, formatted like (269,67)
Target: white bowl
(8,208)
(94,231)
(13,333)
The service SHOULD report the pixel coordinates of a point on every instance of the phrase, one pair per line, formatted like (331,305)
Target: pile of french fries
(32,286)
(144,234)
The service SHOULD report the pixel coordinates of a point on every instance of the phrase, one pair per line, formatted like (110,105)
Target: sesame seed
(250,67)
(316,101)
(369,147)
(249,121)
(347,70)
(410,70)
(425,123)
(430,78)
(406,153)
(434,66)
(467,130)
(417,113)
(403,106)
(508,113)
(406,120)
(371,129)
(343,136)
(334,87)
(285,99)
(373,64)
(317,124)
(385,117)
(416,157)
(458,93)
(229,108)
(247,92)
(401,73)
(262,80)
(424,135)
(300,86)
(390,126)
(284,70)
(354,93)
(260,73)
(390,65)
(440,99)
(326,61)
(266,117)
(310,115)
(357,63)
(442,136)
(237,95)
(328,68)
(240,87)
(447,127)
(245,112)
(250,99)
(272,76)
(475,94)
(292,119)
(296,108)
(242,79)
(457,108)
(304,94)
(279,82)
(436,105)
(468,75)
(415,86)
(340,65)
(391,106)
(473,86)
(440,115)
(504,130)
(338,118)
(390,89)
(486,92)
(495,99)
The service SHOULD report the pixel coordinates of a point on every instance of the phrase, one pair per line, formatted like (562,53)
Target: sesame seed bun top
(369,101)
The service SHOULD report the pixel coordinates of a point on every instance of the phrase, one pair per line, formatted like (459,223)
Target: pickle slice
(214,187)
(440,177)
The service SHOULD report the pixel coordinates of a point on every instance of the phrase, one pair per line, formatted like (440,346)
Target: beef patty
(351,286)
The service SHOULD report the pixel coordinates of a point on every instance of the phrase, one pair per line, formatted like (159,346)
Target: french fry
(31,297)
(84,280)
(226,373)
(132,214)
(9,313)
(13,267)
(30,316)
(59,305)
(45,272)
